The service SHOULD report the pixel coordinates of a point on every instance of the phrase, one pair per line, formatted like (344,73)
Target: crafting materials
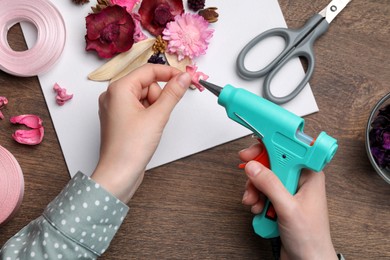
(289,149)
(50,36)
(11,185)
(299,43)
(186,132)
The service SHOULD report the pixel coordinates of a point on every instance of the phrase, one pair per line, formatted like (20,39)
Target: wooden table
(191,208)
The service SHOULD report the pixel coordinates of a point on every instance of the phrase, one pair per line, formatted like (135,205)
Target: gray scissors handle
(299,43)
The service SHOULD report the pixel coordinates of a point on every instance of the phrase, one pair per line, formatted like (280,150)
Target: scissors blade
(333,9)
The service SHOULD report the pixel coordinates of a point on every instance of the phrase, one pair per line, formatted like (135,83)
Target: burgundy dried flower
(155,14)
(379,137)
(196,5)
(110,31)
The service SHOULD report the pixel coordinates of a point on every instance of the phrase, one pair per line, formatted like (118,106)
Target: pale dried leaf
(120,62)
(138,62)
(174,62)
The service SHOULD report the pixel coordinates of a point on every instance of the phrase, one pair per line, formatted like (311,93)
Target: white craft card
(198,122)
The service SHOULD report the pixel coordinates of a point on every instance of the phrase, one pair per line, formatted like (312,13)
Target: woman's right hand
(302,218)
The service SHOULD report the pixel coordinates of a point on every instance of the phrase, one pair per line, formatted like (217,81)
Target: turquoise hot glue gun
(288,148)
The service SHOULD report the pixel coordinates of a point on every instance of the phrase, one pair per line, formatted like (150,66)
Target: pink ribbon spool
(50,39)
(11,185)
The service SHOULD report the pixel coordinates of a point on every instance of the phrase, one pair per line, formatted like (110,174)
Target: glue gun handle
(261,158)
(265,224)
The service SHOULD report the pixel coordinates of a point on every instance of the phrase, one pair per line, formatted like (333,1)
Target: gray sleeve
(78,224)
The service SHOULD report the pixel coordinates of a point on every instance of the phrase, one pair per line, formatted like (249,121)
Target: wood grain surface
(191,208)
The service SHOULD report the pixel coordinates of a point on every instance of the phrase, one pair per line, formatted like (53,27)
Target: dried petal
(138,62)
(120,62)
(138,33)
(386,140)
(3,102)
(379,137)
(156,59)
(110,31)
(155,14)
(62,96)
(174,62)
(196,76)
(128,4)
(29,137)
(29,120)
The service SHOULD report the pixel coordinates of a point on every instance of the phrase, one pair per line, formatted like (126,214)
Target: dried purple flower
(379,137)
(156,59)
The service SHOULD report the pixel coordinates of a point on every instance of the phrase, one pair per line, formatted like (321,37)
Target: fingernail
(253,168)
(184,80)
(243,150)
(245,195)
(256,209)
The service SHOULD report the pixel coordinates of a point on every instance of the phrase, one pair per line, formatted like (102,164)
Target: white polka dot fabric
(78,224)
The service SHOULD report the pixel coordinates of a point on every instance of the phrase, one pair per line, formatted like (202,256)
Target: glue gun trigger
(261,158)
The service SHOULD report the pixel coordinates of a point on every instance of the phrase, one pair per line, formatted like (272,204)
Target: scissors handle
(299,43)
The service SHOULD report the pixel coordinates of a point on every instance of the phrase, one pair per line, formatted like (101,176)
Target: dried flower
(156,59)
(80,2)
(379,137)
(160,45)
(155,14)
(209,14)
(138,34)
(3,102)
(29,137)
(101,4)
(188,35)
(62,96)
(196,76)
(128,4)
(110,31)
(196,5)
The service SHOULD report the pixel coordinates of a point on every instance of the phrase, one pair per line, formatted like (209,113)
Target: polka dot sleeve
(78,224)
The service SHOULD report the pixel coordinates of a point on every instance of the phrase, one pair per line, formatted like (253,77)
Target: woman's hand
(302,218)
(133,113)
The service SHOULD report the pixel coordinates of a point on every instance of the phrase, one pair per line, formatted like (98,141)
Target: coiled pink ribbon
(50,39)
(11,185)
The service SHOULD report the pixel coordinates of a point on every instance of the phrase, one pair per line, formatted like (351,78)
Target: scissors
(298,43)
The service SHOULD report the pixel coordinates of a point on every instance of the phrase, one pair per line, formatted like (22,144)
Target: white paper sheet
(198,122)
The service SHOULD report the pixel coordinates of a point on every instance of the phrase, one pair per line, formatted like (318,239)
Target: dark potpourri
(379,137)
(80,2)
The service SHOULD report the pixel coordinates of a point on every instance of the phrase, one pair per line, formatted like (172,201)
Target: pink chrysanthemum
(188,35)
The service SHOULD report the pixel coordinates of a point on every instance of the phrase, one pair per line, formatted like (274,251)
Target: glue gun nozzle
(216,90)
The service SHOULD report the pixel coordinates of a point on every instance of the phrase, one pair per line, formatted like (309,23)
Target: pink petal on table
(196,76)
(29,137)
(28,120)
(3,102)
(62,96)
